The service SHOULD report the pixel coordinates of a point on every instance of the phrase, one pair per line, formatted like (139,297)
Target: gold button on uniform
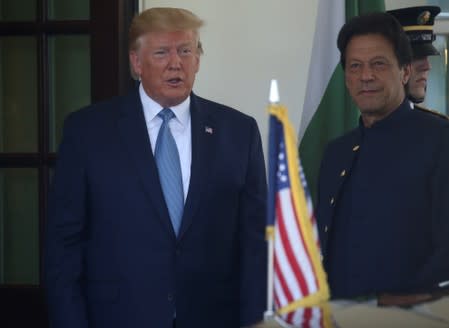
(343,173)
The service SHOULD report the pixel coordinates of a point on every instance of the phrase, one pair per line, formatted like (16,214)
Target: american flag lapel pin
(208,129)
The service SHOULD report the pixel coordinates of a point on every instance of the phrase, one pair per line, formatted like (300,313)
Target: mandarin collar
(391,120)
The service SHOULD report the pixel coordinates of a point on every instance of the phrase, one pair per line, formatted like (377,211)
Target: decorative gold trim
(418,28)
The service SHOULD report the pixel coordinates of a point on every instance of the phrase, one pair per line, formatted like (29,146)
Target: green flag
(328,110)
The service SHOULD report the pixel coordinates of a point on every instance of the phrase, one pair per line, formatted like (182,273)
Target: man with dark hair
(383,188)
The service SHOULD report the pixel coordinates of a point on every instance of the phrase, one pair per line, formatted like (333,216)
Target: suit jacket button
(326,228)
(343,173)
(332,201)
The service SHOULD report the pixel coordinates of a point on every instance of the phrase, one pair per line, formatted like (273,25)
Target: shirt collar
(151,108)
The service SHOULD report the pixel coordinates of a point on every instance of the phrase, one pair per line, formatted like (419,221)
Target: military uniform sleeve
(437,268)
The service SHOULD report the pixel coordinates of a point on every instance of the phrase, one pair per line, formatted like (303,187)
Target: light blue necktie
(169,167)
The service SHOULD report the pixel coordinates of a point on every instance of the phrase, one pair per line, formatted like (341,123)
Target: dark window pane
(17,10)
(66,10)
(18,94)
(19,229)
(69,69)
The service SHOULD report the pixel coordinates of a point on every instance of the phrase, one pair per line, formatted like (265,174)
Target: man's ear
(405,74)
(135,64)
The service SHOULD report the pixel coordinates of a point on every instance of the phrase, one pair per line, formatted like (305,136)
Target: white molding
(442,23)
(140,9)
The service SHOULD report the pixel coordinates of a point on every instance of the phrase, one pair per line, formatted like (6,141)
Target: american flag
(308,317)
(299,280)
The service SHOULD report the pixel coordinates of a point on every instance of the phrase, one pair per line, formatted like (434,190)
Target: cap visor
(424,49)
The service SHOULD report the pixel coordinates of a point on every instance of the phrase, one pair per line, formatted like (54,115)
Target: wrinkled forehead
(168,38)
(369,45)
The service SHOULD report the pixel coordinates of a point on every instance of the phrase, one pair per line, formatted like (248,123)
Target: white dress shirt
(180,128)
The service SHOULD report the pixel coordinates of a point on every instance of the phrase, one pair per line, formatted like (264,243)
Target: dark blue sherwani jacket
(383,206)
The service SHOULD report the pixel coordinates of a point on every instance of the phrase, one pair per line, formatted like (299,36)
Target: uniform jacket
(394,180)
(112,258)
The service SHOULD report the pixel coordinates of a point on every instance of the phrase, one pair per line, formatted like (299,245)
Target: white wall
(249,42)
(395,4)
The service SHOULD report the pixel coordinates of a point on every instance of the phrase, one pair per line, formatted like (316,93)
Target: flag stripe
(291,235)
(310,273)
(324,58)
(295,237)
(279,297)
(286,277)
(282,290)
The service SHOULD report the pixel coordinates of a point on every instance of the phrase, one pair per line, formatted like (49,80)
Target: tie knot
(166,114)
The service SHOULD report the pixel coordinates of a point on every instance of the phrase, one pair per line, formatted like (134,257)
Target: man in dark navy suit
(383,209)
(157,211)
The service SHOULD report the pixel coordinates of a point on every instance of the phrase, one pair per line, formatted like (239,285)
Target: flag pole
(269,313)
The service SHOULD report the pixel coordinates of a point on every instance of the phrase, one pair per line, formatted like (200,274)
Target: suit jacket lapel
(132,127)
(204,131)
